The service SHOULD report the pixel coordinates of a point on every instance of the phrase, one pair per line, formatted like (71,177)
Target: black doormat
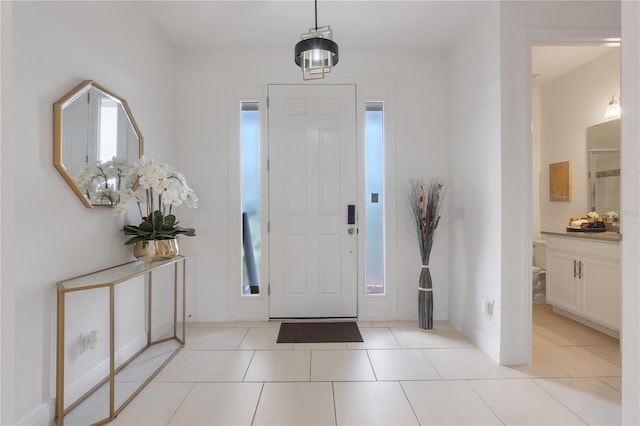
(319,332)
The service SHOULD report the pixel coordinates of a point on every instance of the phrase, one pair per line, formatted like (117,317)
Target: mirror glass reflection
(95,134)
(603,156)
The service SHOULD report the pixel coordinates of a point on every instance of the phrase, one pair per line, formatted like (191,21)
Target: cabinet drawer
(609,250)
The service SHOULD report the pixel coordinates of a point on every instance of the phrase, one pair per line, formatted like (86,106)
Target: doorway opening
(575,314)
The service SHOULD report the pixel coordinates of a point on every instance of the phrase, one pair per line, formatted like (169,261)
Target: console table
(109,370)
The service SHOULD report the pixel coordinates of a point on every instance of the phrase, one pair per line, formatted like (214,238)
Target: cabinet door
(563,289)
(600,292)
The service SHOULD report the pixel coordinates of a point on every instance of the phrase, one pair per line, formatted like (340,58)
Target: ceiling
(551,62)
(364,25)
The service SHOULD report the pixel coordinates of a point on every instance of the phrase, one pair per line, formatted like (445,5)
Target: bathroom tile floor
(234,374)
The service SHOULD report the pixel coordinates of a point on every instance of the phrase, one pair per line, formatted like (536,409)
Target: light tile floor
(235,374)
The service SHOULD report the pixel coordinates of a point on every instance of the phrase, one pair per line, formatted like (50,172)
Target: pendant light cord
(316,7)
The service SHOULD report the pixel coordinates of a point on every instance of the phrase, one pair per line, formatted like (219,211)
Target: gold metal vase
(153,250)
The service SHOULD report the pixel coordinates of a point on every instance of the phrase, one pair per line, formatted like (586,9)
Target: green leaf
(170,220)
(146,227)
(158,218)
(189,232)
(133,230)
(133,240)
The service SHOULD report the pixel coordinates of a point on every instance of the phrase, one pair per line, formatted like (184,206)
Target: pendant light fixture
(316,53)
(613,110)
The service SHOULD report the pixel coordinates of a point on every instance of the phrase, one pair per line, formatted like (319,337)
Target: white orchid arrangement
(100,181)
(155,189)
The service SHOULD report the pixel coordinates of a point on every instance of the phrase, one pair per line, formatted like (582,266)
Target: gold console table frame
(110,278)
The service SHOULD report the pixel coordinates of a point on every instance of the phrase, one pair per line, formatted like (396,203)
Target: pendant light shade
(316,53)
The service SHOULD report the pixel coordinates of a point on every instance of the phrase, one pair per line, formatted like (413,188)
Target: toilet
(539,273)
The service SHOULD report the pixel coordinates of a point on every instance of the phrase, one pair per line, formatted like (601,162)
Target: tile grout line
(474,390)
(193,385)
(255,411)
(244,336)
(246,370)
(558,399)
(395,337)
(335,410)
(413,410)
(422,351)
(375,376)
(608,384)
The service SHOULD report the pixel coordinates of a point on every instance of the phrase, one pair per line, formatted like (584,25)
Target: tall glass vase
(425,296)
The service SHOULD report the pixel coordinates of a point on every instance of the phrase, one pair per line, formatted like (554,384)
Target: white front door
(312,181)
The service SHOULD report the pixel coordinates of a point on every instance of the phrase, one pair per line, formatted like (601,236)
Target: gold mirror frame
(62,145)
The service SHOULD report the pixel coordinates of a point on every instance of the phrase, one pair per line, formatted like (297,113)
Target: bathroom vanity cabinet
(583,276)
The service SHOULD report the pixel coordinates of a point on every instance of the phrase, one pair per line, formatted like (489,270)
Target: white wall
(414,87)
(7,358)
(521,25)
(630,213)
(535,154)
(56,45)
(569,105)
(491,238)
(474,154)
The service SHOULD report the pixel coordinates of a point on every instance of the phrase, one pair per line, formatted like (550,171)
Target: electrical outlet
(90,341)
(487,306)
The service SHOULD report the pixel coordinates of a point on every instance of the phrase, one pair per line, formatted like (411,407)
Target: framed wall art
(560,181)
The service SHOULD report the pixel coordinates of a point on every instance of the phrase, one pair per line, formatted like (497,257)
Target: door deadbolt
(351,214)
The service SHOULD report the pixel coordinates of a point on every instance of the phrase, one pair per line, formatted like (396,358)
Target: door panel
(563,286)
(312,179)
(601,301)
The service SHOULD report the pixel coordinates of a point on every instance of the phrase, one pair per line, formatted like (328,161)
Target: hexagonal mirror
(95,136)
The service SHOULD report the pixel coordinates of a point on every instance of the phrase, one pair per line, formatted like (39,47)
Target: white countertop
(600,236)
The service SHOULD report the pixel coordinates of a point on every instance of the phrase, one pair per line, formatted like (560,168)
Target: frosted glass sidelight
(250,148)
(374,203)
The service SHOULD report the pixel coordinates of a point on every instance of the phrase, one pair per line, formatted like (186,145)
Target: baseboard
(204,315)
(43,415)
(601,328)
(486,344)
(515,355)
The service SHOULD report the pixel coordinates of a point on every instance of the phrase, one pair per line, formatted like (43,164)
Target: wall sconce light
(613,110)
(316,53)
